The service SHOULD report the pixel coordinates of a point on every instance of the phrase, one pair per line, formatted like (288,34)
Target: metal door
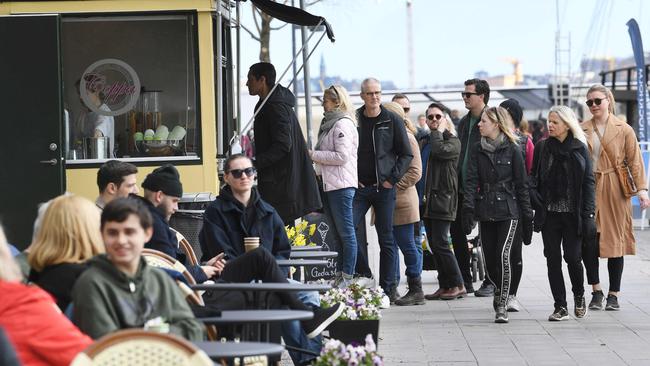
(31,112)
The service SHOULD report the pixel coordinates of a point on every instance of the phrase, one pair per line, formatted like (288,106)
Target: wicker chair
(186,247)
(142,348)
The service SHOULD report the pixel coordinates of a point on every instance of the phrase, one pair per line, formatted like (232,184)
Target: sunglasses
(468,94)
(435,117)
(407,109)
(237,173)
(596,101)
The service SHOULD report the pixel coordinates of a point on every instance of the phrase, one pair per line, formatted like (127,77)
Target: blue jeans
(295,336)
(383,201)
(338,205)
(404,238)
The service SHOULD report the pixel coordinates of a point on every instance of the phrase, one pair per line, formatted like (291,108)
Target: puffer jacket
(407,207)
(337,157)
(496,188)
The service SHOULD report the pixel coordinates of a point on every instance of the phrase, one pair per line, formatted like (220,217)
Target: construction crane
(516,72)
(409,43)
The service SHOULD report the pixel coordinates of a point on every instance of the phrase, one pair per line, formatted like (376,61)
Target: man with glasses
(404,101)
(286,176)
(476,96)
(384,155)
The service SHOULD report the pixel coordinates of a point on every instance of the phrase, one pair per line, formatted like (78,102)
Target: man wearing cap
(162,191)
(115,179)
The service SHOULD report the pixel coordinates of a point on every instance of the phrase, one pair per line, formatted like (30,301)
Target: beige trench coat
(613,210)
(407,206)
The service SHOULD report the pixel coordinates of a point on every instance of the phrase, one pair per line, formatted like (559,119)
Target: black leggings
(516,261)
(459,241)
(497,238)
(614,267)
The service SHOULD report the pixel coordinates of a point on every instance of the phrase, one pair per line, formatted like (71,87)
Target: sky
(453,39)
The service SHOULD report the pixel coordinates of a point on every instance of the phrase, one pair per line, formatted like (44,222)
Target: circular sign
(110,82)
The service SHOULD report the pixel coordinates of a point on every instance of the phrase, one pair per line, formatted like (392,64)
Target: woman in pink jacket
(335,156)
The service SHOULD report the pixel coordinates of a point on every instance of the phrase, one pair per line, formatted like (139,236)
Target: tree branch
(255,19)
(280,27)
(253,35)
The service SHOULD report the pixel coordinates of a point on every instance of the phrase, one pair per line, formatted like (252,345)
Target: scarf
(490,145)
(329,120)
(557,175)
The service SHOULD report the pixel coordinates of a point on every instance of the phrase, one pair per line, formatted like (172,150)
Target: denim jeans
(338,205)
(295,336)
(404,240)
(383,201)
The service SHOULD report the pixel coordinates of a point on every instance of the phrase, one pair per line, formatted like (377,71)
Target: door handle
(51,162)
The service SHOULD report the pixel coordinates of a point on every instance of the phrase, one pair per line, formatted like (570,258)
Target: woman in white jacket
(335,156)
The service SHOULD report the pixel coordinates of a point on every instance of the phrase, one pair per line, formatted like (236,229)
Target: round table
(313,255)
(265,286)
(306,248)
(301,262)
(219,350)
(257,316)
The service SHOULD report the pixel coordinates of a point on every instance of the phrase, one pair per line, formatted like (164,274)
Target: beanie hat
(165,179)
(513,107)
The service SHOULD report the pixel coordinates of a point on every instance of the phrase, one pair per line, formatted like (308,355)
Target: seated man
(162,191)
(240,212)
(115,179)
(119,290)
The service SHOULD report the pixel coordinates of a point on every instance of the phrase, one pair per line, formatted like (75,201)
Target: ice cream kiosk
(148,81)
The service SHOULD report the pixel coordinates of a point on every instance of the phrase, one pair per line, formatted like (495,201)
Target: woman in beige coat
(611,143)
(406,214)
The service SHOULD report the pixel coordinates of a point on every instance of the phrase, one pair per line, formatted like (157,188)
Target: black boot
(414,296)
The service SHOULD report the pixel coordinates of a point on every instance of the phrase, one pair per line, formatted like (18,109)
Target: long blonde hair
(502,118)
(399,111)
(9,270)
(608,93)
(569,118)
(339,95)
(69,233)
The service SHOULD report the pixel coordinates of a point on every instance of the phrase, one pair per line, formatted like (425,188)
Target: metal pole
(305,63)
(238,67)
(219,87)
(293,51)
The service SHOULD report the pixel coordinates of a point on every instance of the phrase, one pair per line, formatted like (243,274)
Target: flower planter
(348,331)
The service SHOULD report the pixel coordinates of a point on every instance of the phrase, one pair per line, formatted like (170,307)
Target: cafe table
(304,248)
(313,255)
(244,318)
(228,350)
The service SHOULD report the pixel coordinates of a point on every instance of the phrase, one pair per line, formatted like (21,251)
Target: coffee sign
(110,82)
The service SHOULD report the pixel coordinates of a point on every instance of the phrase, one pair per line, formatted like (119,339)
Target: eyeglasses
(436,117)
(375,93)
(468,94)
(237,173)
(596,101)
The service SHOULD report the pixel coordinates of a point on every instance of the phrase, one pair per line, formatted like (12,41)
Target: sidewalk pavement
(463,332)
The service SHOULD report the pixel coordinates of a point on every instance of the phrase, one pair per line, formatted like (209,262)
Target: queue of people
(86,259)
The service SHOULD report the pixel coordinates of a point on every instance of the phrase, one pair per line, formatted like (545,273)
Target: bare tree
(263,29)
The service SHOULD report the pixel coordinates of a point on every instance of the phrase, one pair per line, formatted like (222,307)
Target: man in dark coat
(286,178)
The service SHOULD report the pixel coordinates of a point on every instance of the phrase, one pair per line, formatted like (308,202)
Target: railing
(629,81)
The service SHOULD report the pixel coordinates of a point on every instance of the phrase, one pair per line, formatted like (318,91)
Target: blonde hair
(569,118)
(608,93)
(9,270)
(69,233)
(399,111)
(502,118)
(339,95)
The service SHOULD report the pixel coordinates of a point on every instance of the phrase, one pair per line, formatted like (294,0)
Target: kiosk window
(130,87)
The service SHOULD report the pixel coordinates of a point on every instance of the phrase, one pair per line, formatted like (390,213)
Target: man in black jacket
(383,158)
(286,178)
(476,96)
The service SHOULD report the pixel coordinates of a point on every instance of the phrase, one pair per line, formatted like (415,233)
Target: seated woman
(38,331)
(69,235)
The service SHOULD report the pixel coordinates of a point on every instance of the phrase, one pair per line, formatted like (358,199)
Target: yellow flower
(312,229)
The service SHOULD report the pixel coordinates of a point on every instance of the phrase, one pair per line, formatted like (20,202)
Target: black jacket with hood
(286,177)
(226,222)
(392,149)
(496,188)
(441,180)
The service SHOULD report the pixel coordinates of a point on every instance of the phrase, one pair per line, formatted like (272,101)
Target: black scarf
(557,175)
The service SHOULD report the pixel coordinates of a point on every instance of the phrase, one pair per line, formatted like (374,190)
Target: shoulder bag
(623,172)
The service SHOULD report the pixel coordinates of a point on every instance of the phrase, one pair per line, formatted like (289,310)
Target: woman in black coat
(496,194)
(563,198)
(440,201)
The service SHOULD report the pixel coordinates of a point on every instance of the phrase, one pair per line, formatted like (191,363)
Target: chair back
(186,247)
(159,259)
(140,347)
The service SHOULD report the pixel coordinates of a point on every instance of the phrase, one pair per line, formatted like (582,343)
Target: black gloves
(468,221)
(527,230)
(588,227)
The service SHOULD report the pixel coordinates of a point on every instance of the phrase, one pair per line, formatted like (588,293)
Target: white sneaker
(513,304)
(366,282)
(385,302)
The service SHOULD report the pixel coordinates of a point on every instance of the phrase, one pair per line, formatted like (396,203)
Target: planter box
(348,331)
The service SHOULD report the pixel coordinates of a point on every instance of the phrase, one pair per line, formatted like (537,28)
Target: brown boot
(435,295)
(452,294)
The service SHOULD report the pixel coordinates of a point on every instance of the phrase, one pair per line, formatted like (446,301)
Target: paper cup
(251,243)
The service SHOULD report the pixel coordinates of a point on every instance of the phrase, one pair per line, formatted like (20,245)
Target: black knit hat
(165,179)
(513,107)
